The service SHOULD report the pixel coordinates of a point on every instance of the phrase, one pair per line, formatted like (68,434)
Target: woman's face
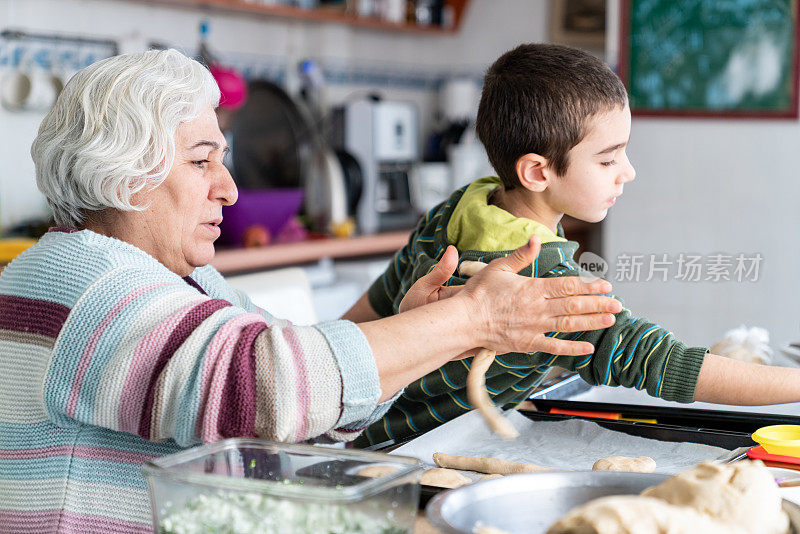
(182,219)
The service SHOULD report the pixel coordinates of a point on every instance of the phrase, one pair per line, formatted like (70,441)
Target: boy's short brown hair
(537,98)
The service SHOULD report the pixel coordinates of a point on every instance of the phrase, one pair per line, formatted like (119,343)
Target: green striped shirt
(632,353)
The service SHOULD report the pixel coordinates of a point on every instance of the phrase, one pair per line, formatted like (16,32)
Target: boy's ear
(532,172)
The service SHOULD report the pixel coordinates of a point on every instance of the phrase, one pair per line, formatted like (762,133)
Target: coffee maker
(382,137)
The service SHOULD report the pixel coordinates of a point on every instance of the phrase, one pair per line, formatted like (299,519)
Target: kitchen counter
(239,260)
(272,256)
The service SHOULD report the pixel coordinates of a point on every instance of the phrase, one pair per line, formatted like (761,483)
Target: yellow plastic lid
(779,439)
(11,248)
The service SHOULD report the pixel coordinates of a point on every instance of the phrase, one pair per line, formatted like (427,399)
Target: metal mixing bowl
(530,503)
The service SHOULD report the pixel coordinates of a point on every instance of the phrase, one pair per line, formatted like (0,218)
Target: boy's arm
(361,311)
(638,354)
(726,381)
(631,353)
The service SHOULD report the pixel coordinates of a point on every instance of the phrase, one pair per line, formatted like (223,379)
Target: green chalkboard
(710,57)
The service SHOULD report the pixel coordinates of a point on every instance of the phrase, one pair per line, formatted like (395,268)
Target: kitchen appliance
(430,184)
(455,140)
(382,137)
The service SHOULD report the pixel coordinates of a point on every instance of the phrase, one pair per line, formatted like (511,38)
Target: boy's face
(598,169)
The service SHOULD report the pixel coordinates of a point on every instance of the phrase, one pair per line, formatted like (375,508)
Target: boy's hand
(429,288)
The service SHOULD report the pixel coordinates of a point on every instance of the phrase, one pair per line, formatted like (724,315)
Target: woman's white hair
(111,133)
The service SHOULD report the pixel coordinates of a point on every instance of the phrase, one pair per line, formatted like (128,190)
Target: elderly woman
(119,343)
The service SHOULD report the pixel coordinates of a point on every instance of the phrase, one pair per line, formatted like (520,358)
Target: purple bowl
(270,208)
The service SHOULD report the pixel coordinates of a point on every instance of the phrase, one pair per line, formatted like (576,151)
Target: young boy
(555,123)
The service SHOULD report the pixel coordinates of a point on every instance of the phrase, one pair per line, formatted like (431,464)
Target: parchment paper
(572,444)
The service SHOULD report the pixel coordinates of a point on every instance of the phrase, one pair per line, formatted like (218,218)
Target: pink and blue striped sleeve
(154,357)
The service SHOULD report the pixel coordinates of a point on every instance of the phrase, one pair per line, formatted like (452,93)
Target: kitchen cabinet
(318,14)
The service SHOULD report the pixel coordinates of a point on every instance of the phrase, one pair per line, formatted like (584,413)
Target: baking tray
(530,503)
(718,438)
(557,392)
(726,439)
(675,425)
(561,387)
(700,419)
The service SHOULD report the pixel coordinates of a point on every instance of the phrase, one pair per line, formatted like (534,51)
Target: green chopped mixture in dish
(249,513)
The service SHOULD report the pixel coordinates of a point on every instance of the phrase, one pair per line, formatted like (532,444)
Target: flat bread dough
(738,498)
(444,478)
(634,514)
(632,464)
(743,494)
(376,471)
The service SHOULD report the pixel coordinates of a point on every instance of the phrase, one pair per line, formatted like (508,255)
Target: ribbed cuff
(680,375)
(361,386)
(379,411)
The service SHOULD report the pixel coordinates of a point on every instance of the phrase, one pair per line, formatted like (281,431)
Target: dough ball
(741,494)
(633,464)
(444,478)
(633,514)
(376,471)
(490,477)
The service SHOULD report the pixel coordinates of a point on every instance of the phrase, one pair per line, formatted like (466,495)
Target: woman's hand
(515,311)
(496,309)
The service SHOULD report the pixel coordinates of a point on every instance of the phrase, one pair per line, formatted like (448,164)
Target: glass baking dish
(245,485)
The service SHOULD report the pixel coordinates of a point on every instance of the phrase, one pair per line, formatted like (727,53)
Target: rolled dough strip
(633,464)
(376,471)
(476,379)
(485,465)
(479,397)
(444,478)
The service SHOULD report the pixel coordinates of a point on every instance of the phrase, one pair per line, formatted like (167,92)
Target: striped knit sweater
(108,359)
(632,353)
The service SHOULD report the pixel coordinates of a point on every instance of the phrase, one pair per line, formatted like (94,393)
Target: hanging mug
(15,84)
(43,91)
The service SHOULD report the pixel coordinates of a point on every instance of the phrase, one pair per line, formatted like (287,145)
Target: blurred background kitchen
(349,119)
